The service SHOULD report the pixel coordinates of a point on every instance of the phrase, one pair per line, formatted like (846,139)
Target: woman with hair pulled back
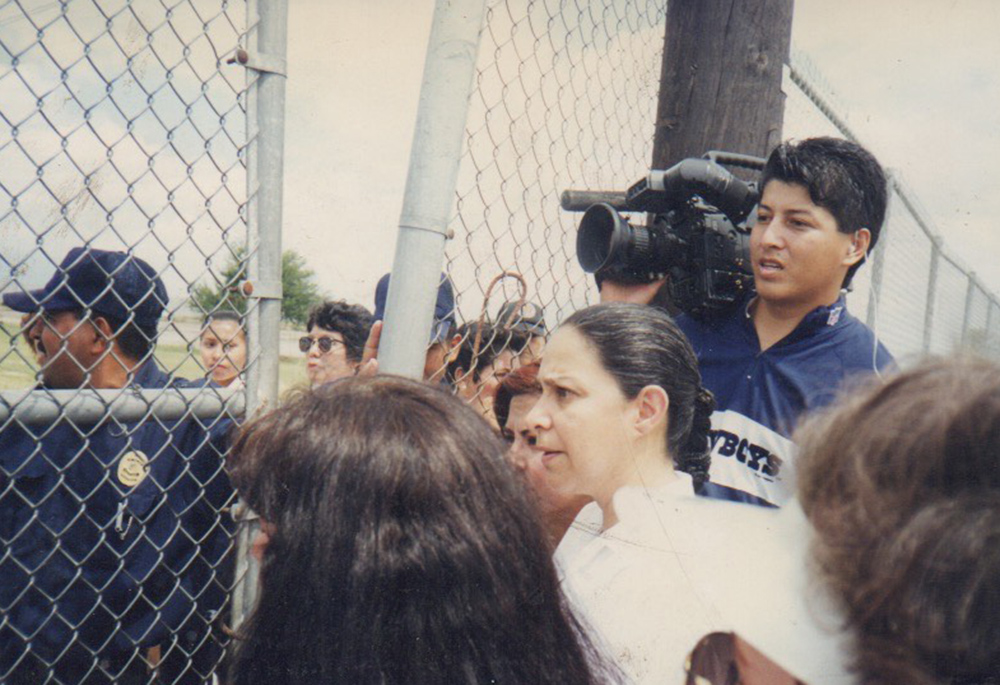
(400,547)
(623,419)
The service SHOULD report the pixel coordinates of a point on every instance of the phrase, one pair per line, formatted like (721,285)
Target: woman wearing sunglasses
(335,341)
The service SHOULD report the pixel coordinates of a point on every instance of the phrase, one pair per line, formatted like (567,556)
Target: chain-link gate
(131,209)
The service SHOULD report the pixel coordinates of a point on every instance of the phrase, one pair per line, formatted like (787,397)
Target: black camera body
(697,234)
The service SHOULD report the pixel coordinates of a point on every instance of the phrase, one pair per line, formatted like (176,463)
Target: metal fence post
(931,292)
(967,315)
(988,344)
(430,184)
(265,166)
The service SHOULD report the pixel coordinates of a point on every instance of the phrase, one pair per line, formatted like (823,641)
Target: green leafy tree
(298,285)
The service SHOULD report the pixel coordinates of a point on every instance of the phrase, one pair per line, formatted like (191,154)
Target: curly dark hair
(404,548)
(841,176)
(902,484)
(350,320)
(641,346)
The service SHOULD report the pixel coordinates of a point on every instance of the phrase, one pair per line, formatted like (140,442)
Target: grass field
(17,367)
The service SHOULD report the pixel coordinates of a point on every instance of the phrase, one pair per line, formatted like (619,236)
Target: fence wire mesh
(123,136)
(565,97)
(123,128)
(927,301)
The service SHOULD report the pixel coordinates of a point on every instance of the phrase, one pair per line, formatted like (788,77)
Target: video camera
(698,236)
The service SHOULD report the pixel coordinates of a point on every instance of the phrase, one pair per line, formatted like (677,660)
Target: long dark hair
(404,548)
(902,484)
(641,346)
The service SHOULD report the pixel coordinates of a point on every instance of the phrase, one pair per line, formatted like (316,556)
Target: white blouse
(676,567)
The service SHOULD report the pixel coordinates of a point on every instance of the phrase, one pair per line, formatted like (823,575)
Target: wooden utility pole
(720,86)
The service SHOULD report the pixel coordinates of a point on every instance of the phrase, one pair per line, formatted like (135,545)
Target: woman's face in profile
(527,459)
(579,420)
(223,350)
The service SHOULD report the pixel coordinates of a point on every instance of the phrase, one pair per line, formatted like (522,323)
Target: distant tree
(299,289)
(298,285)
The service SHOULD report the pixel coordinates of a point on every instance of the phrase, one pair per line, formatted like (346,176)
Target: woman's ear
(652,404)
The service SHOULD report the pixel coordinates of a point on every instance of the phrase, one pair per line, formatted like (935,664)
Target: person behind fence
(790,345)
(623,419)
(398,547)
(335,339)
(515,396)
(223,346)
(113,536)
(902,486)
(481,355)
(527,322)
(442,338)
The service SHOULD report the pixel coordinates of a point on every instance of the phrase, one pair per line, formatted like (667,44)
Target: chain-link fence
(565,97)
(131,209)
(125,127)
(918,296)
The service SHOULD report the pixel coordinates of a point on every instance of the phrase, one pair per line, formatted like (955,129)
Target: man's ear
(651,404)
(103,335)
(452,346)
(859,247)
(465,383)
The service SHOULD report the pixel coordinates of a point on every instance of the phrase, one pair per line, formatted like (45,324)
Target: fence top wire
(807,77)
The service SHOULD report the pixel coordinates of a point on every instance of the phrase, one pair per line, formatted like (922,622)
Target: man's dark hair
(841,176)
(128,337)
(493,340)
(404,547)
(350,320)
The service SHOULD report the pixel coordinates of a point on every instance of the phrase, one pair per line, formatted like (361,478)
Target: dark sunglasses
(325,343)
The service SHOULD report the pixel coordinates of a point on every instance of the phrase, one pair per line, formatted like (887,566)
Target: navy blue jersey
(113,535)
(761,396)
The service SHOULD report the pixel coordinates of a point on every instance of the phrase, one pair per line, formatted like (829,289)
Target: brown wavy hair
(902,484)
(520,381)
(404,548)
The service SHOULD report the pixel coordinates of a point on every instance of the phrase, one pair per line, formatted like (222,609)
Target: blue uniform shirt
(113,535)
(761,396)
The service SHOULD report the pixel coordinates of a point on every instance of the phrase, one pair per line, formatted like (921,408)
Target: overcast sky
(919,78)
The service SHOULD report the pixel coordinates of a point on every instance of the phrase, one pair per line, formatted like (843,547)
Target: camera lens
(599,234)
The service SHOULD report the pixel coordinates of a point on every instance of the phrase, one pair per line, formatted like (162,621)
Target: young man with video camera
(791,345)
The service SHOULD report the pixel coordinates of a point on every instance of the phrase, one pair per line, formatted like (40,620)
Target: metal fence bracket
(271,64)
(261,290)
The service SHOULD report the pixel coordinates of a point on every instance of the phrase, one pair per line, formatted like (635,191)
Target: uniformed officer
(113,538)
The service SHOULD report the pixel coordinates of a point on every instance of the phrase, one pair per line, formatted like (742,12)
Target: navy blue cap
(528,318)
(115,284)
(444,308)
